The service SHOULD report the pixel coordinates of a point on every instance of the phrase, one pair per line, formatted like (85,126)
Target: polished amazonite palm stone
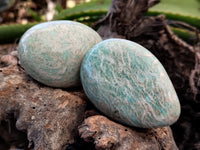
(127,83)
(52,52)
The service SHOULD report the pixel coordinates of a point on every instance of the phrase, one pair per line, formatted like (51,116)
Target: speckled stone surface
(127,83)
(52,52)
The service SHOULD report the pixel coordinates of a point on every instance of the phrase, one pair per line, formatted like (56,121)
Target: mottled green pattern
(52,52)
(127,83)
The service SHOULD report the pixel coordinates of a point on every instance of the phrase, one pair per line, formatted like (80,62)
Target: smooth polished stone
(52,52)
(128,84)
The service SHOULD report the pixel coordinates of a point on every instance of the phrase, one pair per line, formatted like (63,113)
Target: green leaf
(35,15)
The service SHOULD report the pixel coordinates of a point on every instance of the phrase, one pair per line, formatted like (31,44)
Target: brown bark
(106,134)
(49,116)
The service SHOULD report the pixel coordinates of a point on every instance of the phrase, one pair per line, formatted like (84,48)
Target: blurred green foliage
(183,7)
(37,17)
(180,10)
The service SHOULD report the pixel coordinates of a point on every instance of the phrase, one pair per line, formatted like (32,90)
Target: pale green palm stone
(52,52)
(127,83)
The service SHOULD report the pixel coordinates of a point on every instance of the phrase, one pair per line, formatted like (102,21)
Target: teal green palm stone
(52,52)
(128,84)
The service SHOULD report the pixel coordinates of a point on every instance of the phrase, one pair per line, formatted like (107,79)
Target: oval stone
(52,52)
(128,84)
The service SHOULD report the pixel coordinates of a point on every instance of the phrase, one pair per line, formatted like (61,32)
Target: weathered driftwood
(50,117)
(106,134)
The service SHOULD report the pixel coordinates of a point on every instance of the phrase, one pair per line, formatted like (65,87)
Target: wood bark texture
(34,116)
(49,116)
(108,135)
